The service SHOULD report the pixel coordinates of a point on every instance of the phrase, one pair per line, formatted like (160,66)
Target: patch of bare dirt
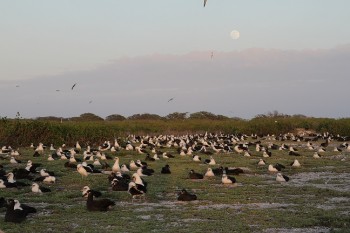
(298,230)
(335,181)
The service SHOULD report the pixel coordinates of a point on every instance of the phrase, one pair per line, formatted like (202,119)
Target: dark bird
(205,2)
(194,175)
(14,215)
(98,205)
(171,99)
(144,171)
(212,55)
(293,153)
(279,166)
(2,202)
(166,169)
(186,196)
(73,86)
(134,191)
(119,185)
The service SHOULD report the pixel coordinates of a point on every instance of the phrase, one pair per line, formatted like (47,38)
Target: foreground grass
(258,203)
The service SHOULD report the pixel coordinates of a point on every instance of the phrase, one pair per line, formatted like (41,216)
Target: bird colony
(134,165)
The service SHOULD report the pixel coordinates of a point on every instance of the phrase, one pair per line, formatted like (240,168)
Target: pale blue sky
(46,39)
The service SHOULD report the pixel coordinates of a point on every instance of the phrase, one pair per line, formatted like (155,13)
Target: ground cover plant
(315,199)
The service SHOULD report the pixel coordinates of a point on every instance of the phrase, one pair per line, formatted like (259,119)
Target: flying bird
(73,86)
(212,55)
(205,2)
(171,99)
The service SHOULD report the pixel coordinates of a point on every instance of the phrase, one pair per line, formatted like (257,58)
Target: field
(316,198)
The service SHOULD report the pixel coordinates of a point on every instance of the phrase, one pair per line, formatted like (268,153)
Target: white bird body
(82,170)
(296,163)
(261,162)
(116,166)
(209,173)
(281,178)
(271,168)
(227,180)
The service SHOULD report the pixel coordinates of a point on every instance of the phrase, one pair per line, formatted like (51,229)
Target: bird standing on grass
(82,171)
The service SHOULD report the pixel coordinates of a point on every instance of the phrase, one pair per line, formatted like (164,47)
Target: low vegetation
(316,199)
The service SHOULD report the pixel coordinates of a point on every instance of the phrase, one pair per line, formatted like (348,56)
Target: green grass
(257,203)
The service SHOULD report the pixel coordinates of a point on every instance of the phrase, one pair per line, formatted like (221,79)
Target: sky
(130,57)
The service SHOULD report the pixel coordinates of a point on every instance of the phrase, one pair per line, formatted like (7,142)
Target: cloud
(239,83)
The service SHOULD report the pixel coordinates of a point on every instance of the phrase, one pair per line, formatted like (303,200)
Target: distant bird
(212,55)
(74,86)
(166,169)
(316,155)
(57,90)
(282,178)
(46,179)
(271,168)
(227,179)
(196,158)
(14,215)
(186,196)
(295,163)
(98,205)
(37,189)
(194,175)
(209,173)
(13,160)
(24,207)
(205,2)
(134,191)
(94,192)
(210,161)
(90,101)
(171,99)
(82,171)
(116,166)
(119,185)
(124,168)
(261,162)
(145,171)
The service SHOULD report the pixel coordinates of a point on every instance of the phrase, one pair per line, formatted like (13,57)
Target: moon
(235,34)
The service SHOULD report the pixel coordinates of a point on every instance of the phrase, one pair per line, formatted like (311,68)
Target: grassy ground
(316,199)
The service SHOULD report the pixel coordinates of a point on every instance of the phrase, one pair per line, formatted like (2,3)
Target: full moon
(234,34)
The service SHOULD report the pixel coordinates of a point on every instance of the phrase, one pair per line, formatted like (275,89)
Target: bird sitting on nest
(98,205)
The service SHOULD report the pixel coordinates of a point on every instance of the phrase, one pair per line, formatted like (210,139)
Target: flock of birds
(130,177)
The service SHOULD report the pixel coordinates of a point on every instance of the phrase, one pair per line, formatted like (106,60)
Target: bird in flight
(212,55)
(171,99)
(73,85)
(205,2)
(90,101)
